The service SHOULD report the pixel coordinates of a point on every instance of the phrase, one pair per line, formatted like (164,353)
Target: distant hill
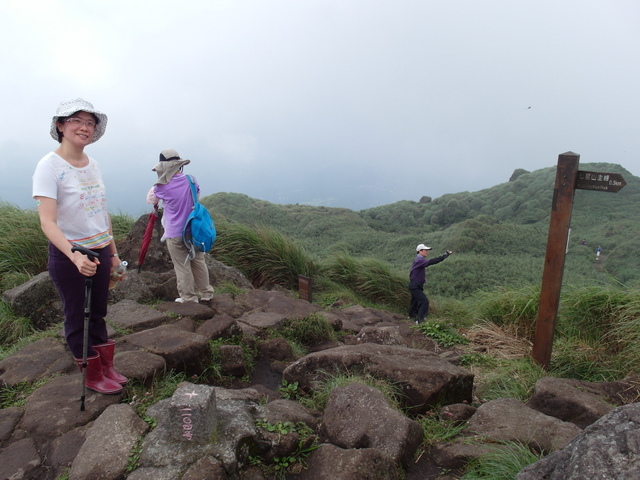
(498,234)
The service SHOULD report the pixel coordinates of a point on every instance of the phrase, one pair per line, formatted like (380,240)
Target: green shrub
(309,331)
(442,332)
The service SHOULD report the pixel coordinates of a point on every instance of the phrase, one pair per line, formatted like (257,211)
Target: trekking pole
(87,315)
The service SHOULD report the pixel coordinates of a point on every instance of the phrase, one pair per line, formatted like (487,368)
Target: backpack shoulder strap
(194,192)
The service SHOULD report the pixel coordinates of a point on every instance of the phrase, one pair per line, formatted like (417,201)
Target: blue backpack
(199,233)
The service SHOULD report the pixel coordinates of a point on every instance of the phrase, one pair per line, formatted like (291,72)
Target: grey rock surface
(609,449)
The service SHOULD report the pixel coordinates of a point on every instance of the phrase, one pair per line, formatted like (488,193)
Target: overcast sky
(343,103)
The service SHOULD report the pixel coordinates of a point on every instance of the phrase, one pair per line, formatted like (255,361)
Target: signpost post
(568,179)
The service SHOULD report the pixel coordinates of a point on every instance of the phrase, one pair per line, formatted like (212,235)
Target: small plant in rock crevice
(141,397)
(64,475)
(442,332)
(289,391)
(294,462)
(134,456)
(435,429)
(16,395)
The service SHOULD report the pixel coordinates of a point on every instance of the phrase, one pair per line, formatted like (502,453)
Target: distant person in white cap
(173,188)
(419,307)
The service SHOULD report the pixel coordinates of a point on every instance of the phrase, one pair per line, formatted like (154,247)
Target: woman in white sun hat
(72,205)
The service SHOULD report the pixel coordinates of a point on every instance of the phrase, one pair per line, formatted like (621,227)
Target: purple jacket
(177,203)
(417,273)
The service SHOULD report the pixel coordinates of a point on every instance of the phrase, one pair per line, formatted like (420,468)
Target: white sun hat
(68,108)
(422,246)
(170,163)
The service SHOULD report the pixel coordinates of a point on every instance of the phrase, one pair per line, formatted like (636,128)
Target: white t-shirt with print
(81,199)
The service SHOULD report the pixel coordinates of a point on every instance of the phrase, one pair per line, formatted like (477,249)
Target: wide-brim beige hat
(70,107)
(170,163)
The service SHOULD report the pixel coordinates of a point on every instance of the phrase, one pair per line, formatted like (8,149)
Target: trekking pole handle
(85,251)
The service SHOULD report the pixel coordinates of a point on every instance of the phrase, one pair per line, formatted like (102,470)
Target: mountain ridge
(500,231)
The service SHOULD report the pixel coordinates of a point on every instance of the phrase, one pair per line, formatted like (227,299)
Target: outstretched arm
(433,261)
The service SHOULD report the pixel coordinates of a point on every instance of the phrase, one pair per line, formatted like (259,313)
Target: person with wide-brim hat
(174,190)
(72,205)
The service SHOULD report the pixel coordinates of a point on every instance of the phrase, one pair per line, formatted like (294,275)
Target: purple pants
(71,286)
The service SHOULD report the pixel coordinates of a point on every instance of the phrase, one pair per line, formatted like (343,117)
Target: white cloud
(356,102)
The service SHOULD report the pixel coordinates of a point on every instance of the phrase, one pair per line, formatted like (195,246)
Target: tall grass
(597,335)
(511,378)
(265,256)
(23,246)
(589,312)
(369,278)
(516,308)
(12,328)
(503,462)
(625,335)
(121,224)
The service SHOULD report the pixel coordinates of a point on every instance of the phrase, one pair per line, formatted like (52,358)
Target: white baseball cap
(422,246)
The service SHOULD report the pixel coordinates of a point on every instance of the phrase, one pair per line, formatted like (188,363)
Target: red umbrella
(146,239)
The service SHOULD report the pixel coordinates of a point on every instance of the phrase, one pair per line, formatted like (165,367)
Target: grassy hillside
(498,234)
(597,335)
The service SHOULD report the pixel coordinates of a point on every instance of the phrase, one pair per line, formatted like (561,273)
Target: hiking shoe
(179,300)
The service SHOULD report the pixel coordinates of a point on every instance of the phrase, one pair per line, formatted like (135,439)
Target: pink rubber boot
(107,351)
(95,379)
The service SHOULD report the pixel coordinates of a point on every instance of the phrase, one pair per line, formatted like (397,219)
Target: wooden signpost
(568,179)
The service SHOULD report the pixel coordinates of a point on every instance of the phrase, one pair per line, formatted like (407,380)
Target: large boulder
(358,416)
(54,408)
(426,379)
(607,449)
(568,400)
(580,402)
(273,301)
(183,351)
(45,357)
(158,260)
(37,299)
(335,463)
(508,419)
(105,452)
(20,460)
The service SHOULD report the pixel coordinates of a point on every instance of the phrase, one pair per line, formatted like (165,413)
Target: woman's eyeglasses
(78,122)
